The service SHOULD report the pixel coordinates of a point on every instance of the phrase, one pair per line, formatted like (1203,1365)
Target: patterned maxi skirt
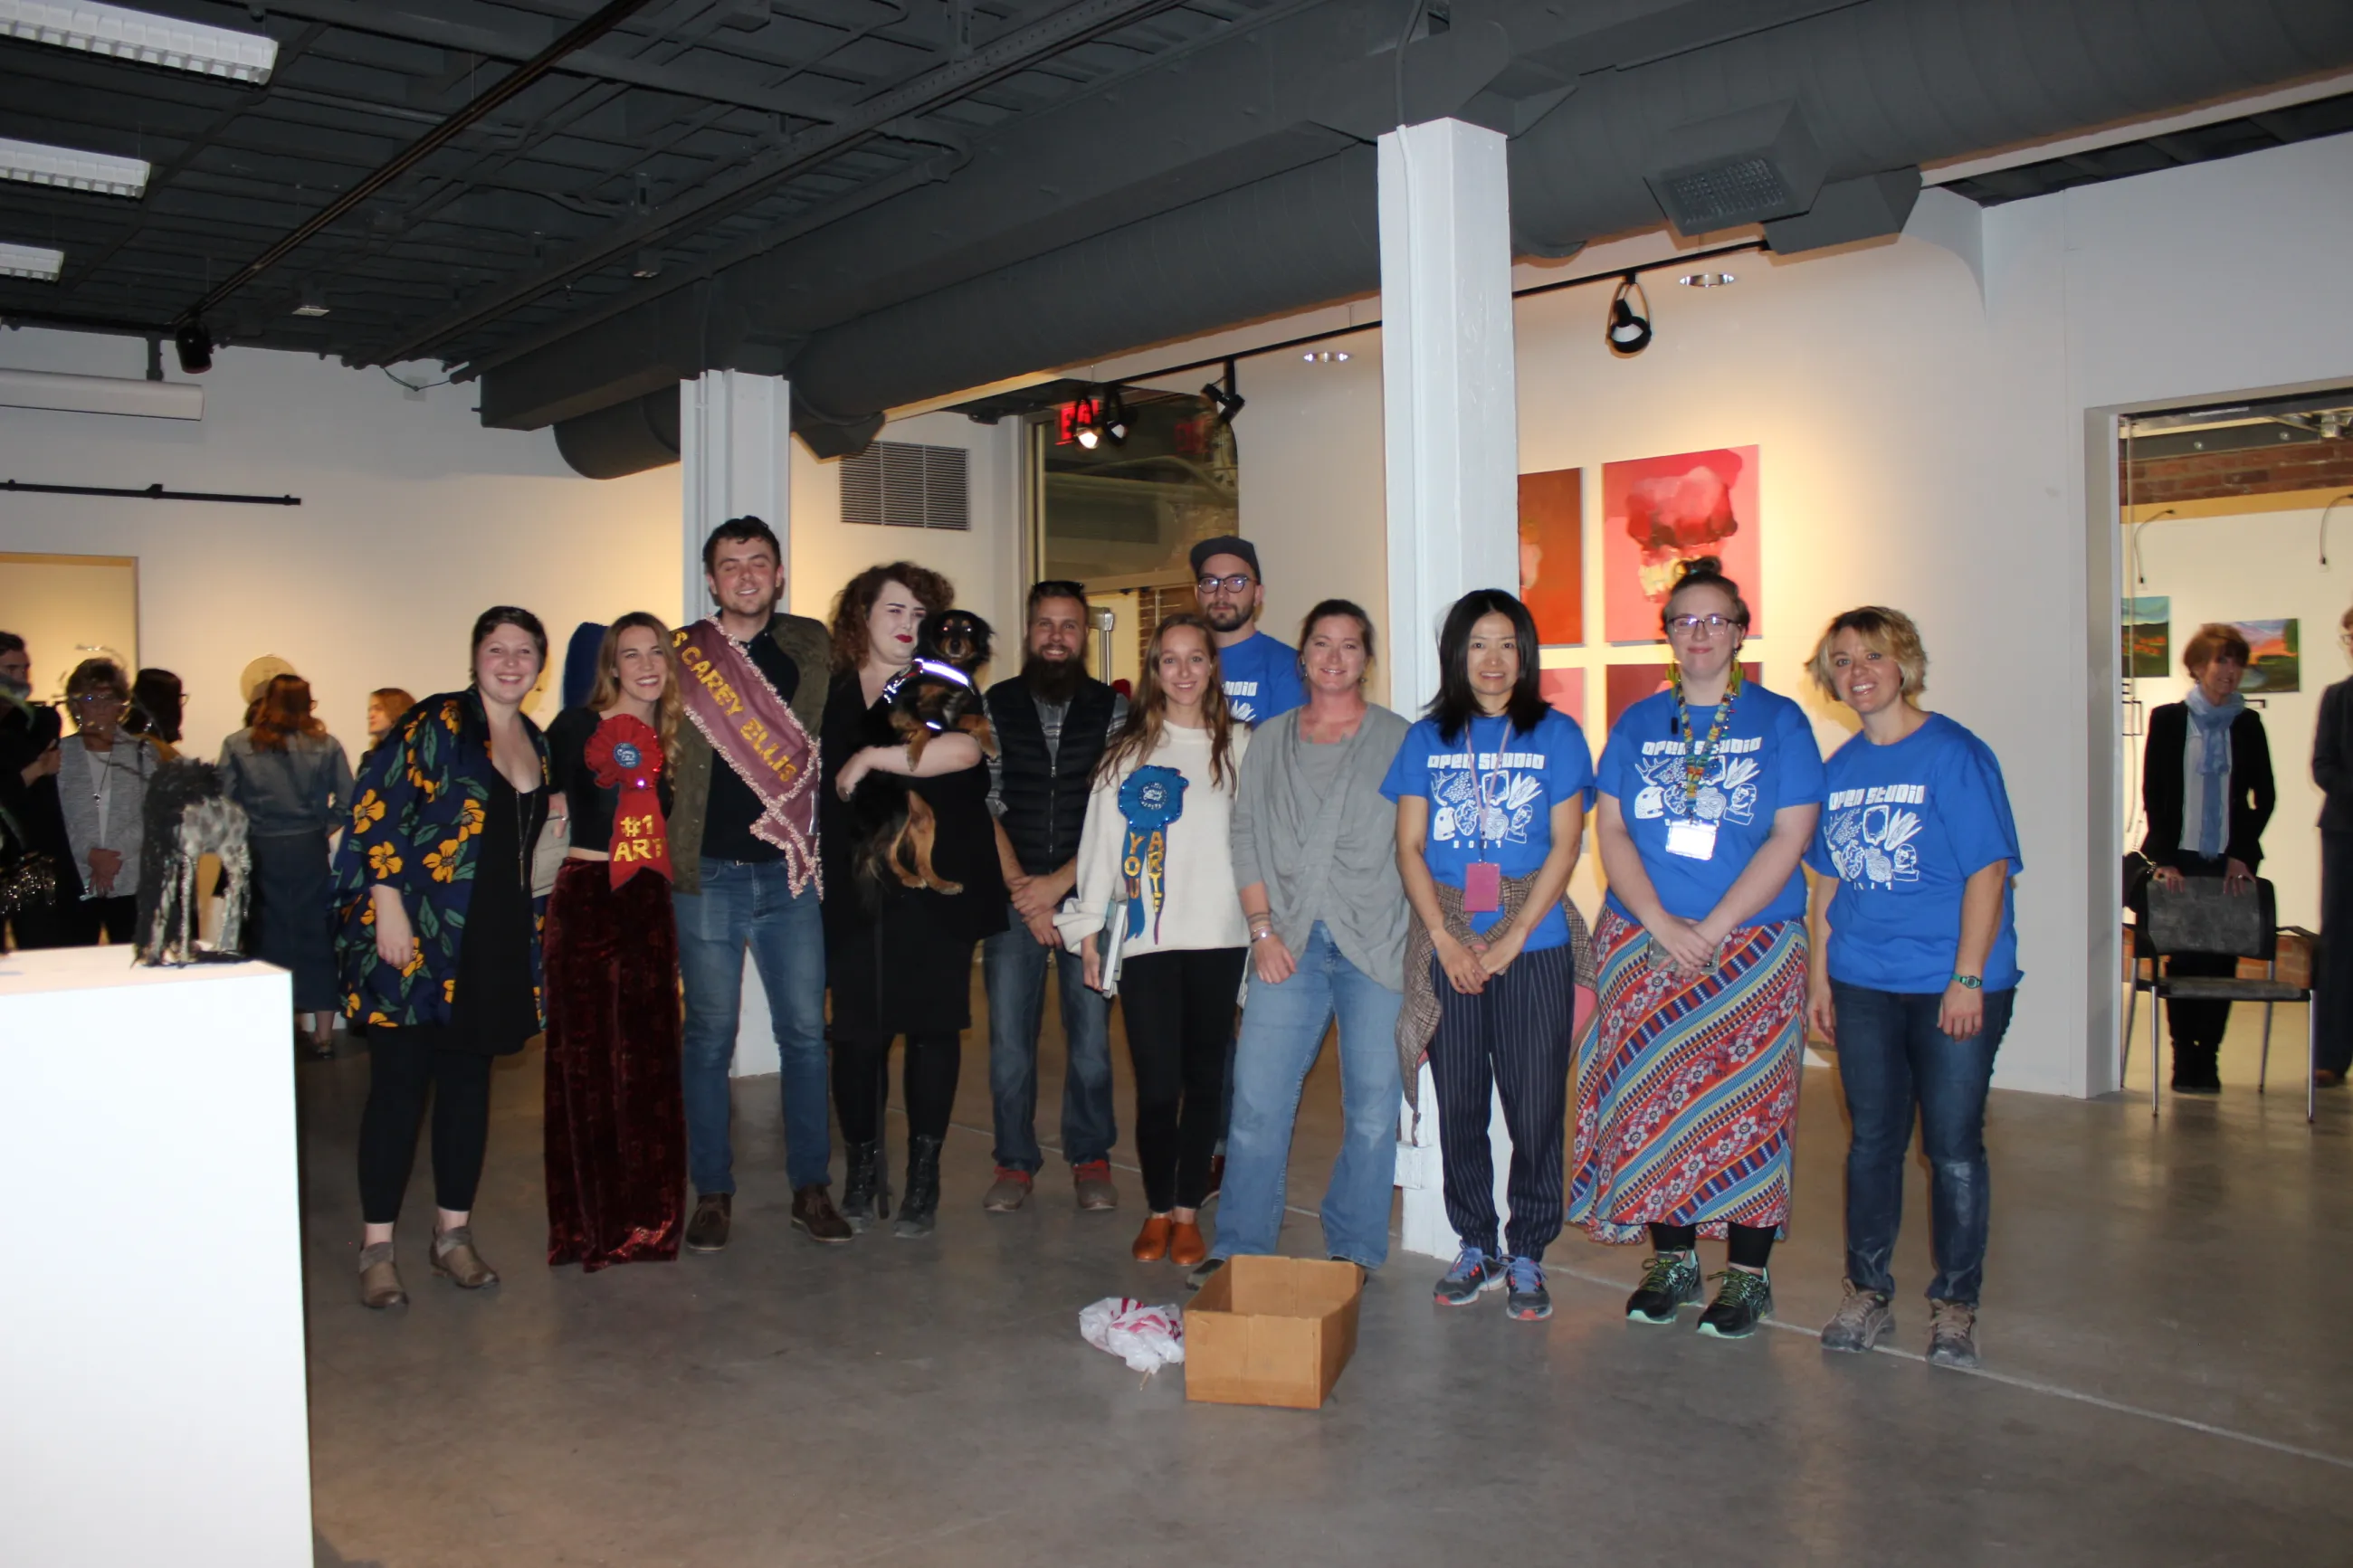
(1686,1090)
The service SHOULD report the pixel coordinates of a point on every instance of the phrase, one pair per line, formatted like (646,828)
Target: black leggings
(862,1068)
(404,1068)
(1749,1245)
(1179,1012)
(87,918)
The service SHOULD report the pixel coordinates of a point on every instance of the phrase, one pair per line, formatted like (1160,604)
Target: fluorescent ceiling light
(34,261)
(142,36)
(73,170)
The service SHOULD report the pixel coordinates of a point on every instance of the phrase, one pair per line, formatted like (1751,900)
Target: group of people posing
(1244,826)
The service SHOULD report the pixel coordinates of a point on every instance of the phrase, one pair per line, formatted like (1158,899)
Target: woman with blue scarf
(2206,788)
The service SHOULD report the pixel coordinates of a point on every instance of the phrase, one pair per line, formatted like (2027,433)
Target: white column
(1451,434)
(735,454)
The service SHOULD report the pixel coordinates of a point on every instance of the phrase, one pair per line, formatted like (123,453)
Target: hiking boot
(1526,1298)
(1742,1302)
(813,1213)
(706,1228)
(1008,1192)
(1670,1282)
(1473,1275)
(865,1187)
(1952,1334)
(1091,1181)
(919,1210)
(1861,1317)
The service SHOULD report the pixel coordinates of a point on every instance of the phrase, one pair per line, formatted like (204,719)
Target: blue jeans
(1282,1034)
(751,902)
(1891,1058)
(1015,966)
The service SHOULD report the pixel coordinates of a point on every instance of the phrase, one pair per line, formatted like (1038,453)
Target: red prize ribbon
(624,753)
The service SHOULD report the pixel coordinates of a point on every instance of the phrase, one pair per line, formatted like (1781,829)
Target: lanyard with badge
(1688,834)
(1483,880)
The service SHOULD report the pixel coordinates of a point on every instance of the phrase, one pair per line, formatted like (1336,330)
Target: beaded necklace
(1696,757)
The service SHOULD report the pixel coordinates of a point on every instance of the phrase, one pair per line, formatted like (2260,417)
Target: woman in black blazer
(2332,770)
(2206,788)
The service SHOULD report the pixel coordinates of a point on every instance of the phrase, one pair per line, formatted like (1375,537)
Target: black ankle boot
(865,1189)
(2196,1069)
(922,1199)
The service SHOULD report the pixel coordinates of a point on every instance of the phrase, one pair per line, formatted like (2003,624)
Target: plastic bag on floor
(1146,1338)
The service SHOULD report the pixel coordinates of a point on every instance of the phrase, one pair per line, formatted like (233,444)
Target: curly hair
(856,600)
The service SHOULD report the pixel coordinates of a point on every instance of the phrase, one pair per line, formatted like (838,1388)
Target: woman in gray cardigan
(102,777)
(1315,853)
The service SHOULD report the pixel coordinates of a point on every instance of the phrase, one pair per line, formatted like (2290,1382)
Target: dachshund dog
(938,692)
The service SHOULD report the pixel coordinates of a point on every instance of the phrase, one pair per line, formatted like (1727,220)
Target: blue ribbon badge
(1151,799)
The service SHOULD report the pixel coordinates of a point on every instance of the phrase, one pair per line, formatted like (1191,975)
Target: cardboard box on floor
(1272,1331)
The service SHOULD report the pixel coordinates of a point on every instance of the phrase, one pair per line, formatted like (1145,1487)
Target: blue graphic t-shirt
(1904,829)
(1262,678)
(1490,794)
(1766,760)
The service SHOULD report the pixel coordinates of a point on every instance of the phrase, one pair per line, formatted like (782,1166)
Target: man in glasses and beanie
(1261,675)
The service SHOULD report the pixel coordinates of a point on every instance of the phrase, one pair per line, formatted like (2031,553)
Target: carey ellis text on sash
(768,748)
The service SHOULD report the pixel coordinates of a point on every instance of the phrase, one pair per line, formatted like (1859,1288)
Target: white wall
(2258,566)
(414,520)
(1924,445)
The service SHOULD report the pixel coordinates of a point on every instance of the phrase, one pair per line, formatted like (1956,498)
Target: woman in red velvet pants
(615,1126)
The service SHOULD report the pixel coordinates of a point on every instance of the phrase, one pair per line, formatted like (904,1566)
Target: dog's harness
(938,671)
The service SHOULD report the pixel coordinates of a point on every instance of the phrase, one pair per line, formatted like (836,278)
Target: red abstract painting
(1552,553)
(1657,513)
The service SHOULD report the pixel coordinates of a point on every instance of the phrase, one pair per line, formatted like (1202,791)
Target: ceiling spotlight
(38,262)
(1112,420)
(1706,279)
(311,302)
(196,345)
(1628,330)
(71,169)
(170,42)
(1088,433)
(1226,399)
(648,264)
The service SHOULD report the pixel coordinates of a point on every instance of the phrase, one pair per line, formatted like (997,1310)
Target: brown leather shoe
(379,1280)
(706,1230)
(813,1212)
(1186,1246)
(455,1259)
(1152,1241)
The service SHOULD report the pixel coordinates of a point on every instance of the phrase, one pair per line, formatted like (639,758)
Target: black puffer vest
(1045,795)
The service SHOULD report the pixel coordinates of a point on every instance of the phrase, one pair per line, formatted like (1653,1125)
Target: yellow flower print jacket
(416,825)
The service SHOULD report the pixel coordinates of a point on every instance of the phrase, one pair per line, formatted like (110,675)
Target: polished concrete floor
(2167,1377)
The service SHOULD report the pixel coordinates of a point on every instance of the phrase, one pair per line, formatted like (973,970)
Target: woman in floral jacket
(439,942)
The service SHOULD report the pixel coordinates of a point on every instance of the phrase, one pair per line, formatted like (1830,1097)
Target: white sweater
(1198,905)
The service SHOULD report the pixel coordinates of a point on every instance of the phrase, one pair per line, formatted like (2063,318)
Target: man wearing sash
(743,832)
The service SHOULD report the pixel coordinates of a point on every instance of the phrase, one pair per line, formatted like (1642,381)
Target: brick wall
(2261,470)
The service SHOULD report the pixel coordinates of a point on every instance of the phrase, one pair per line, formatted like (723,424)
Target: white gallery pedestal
(151,1305)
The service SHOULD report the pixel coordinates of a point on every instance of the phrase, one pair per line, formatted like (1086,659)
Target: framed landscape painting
(2148,626)
(2273,663)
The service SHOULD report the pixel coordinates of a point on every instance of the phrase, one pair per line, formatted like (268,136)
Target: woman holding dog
(616,1121)
(1156,869)
(438,943)
(898,957)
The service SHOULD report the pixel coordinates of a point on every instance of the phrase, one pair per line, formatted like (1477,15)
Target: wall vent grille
(898,484)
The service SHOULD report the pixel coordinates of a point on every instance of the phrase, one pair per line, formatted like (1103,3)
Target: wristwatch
(1970,982)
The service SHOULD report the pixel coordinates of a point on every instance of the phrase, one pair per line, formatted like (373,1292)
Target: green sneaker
(1670,1281)
(1742,1300)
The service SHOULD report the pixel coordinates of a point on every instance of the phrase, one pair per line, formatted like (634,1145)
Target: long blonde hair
(607,690)
(1147,713)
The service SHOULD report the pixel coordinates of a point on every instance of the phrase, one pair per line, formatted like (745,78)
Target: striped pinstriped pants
(1515,1038)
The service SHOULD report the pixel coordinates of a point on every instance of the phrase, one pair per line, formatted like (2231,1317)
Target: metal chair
(2203,918)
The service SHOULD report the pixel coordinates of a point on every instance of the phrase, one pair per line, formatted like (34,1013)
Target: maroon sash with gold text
(754,733)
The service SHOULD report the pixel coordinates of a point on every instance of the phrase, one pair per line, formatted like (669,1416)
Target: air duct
(627,439)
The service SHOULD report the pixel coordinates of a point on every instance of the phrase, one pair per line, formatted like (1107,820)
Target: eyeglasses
(1239,583)
(97,699)
(1690,624)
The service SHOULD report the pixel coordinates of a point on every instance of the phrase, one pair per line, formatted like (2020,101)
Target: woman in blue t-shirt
(1922,968)
(1492,790)
(1687,1084)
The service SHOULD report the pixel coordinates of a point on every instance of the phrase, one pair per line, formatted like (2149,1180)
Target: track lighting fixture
(1226,399)
(1628,330)
(195,341)
(648,264)
(1112,418)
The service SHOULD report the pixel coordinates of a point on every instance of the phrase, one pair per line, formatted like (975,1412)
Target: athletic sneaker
(1526,1299)
(1473,1275)
(1742,1302)
(1952,1334)
(1861,1317)
(1670,1281)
